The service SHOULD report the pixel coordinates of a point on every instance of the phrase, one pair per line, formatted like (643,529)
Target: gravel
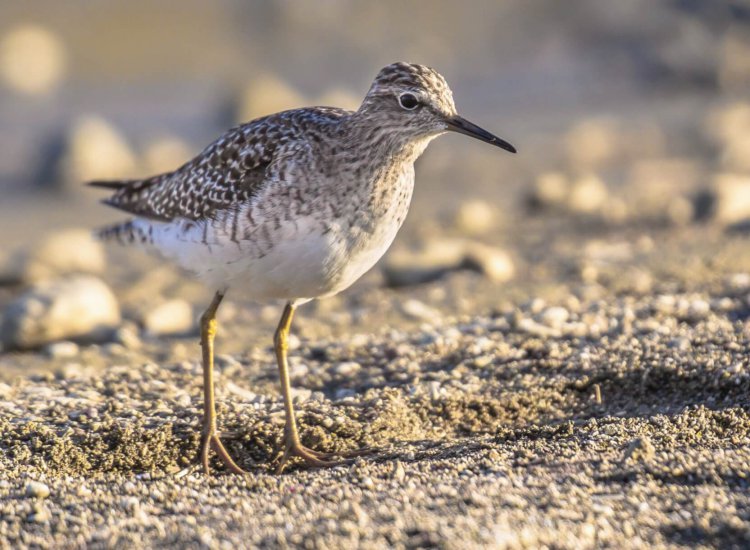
(580,421)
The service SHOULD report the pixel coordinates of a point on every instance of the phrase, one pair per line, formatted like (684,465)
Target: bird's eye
(408,101)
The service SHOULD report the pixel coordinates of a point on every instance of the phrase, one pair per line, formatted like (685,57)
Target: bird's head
(415,101)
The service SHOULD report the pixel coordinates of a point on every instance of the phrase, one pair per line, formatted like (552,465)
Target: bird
(293,207)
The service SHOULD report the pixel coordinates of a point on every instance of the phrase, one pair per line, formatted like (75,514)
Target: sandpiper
(292,206)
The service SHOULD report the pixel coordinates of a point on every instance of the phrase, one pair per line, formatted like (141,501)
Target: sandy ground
(604,412)
(597,398)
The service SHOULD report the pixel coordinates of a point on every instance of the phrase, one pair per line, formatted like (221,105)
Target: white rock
(555,317)
(64,252)
(345,99)
(165,154)
(587,194)
(80,307)
(475,217)
(37,489)
(734,60)
(592,142)
(550,190)
(62,350)
(494,263)
(731,197)
(32,60)
(347,368)
(170,317)
(405,267)
(96,150)
(443,255)
(418,310)
(267,94)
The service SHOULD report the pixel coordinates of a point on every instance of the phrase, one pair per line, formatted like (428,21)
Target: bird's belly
(303,259)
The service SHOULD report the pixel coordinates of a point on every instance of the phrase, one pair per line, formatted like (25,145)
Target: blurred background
(632,119)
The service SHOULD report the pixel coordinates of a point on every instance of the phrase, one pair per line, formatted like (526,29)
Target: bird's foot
(316,459)
(210,440)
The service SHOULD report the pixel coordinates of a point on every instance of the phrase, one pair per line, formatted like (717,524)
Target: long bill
(463,126)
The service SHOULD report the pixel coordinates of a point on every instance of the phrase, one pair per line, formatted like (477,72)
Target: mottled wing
(230,171)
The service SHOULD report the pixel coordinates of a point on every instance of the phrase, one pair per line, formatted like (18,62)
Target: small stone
(698,310)
(494,263)
(475,217)
(164,153)
(80,308)
(265,95)
(587,194)
(127,336)
(550,190)
(62,253)
(96,151)
(418,310)
(639,450)
(37,489)
(432,261)
(593,142)
(169,318)
(40,515)
(62,350)
(730,197)
(32,59)
(555,317)
(300,395)
(398,473)
(347,368)
(346,99)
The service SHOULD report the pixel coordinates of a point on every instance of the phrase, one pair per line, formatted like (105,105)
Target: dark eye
(408,101)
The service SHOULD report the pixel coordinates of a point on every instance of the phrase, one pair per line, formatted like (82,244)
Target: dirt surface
(580,380)
(608,413)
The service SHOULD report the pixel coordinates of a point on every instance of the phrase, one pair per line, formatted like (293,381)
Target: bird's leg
(210,436)
(292,445)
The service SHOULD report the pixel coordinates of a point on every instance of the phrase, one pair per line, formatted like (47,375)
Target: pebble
(164,153)
(62,253)
(347,368)
(169,318)
(32,59)
(555,317)
(96,150)
(440,256)
(80,307)
(550,190)
(267,94)
(433,260)
(40,515)
(127,336)
(418,310)
(640,449)
(587,194)
(62,350)
(398,473)
(493,263)
(37,489)
(475,217)
(730,197)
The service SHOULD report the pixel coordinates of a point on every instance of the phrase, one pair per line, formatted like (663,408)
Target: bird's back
(228,172)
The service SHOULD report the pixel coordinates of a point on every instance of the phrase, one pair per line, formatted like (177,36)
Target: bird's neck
(383,141)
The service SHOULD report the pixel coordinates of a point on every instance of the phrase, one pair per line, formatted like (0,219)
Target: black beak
(463,126)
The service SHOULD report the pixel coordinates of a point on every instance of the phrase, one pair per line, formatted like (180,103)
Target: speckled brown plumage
(226,173)
(293,206)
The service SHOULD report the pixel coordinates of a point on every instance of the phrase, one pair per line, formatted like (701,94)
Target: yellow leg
(292,444)
(210,436)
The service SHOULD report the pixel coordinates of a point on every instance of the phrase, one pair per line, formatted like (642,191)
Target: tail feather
(108,184)
(126,233)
